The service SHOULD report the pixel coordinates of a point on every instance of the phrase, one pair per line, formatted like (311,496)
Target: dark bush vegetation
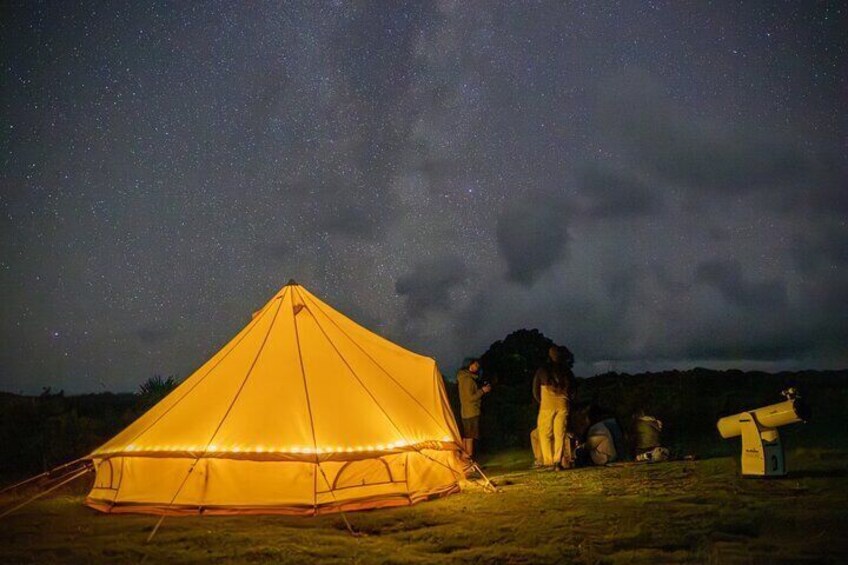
(39,432)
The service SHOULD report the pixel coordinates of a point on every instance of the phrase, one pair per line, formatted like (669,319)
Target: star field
(655,185)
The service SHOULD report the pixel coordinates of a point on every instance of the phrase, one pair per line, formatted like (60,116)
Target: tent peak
(291,282)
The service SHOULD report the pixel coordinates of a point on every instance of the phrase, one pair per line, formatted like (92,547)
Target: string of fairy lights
(400,445)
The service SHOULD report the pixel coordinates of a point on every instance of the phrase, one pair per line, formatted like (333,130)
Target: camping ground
(685,511)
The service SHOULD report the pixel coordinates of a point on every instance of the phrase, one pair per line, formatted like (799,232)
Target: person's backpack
(647,445)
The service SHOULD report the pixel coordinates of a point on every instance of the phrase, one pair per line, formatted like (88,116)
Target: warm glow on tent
(302,412)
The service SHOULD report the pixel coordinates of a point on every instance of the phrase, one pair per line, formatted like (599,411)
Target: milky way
(654,185)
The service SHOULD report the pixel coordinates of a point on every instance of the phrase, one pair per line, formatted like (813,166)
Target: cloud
(428,285)
(765,346)
(681,147)
(821,257)
(608,193)
(826,189)
(726,276)
(821,249)
(532,236)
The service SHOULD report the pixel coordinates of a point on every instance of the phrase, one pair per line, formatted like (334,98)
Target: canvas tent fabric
(302,412)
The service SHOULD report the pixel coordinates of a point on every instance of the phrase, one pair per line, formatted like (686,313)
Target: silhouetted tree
(155,389)
(514,360)
(509,413)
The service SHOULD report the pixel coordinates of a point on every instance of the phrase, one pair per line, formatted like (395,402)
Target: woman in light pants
(553,414)
(550,387)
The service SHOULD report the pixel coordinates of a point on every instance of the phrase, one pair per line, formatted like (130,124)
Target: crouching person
(647,443)
(604,443)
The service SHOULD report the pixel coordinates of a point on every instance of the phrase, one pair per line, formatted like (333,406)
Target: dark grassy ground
(693,511)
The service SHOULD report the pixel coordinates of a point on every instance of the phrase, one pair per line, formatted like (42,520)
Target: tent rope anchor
(74,475)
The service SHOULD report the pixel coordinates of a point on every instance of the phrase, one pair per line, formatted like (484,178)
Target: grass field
(692,511)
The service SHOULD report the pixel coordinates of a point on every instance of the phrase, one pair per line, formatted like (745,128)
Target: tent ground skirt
(349,506)
(184,486)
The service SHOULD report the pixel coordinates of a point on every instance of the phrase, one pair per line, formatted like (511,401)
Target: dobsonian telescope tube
(762,450)
(789,411)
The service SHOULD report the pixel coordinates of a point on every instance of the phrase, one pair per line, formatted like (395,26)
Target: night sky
(653,184)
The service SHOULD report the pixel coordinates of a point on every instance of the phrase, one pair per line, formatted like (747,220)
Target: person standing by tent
(470,399)
(553,385)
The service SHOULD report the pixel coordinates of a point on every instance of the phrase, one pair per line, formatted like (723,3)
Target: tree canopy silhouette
(155,389)
(514,360)
(508,411)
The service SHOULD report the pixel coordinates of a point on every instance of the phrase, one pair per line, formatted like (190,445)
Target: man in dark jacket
(470,399)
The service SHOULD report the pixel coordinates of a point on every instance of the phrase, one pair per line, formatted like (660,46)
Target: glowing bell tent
(303,412)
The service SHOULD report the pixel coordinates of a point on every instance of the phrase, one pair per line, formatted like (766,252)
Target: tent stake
(473,465)
(347,523)
(485,478)
(350,529)
(156,528)
(176,494)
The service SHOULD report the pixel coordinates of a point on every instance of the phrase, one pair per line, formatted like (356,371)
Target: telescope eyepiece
(790,393)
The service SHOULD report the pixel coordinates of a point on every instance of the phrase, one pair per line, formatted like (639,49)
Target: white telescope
(762,451)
